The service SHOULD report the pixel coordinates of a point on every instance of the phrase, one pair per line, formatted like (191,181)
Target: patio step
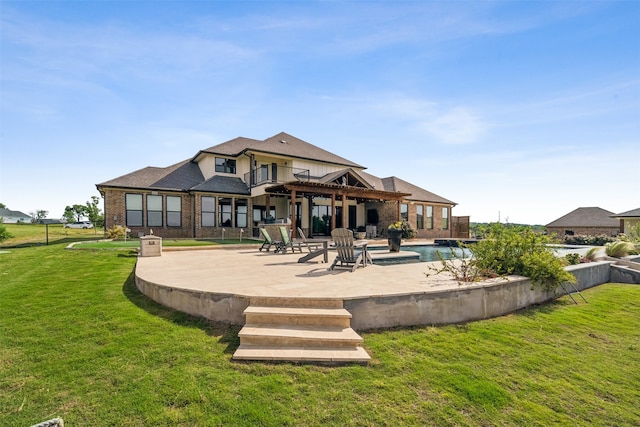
(313,316)
(299,330)
(302,354)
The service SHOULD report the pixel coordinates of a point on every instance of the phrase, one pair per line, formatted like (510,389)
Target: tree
(94,213)
(38,216)
(74,213)
(3,206)
(4,234)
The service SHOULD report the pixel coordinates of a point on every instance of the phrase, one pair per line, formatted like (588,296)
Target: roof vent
(282,141)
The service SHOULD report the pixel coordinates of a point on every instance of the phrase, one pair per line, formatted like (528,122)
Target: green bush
(572,259)
(4,234)
(599,240)
(518,250)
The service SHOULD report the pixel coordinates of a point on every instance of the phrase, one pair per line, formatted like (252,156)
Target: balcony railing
(263,176)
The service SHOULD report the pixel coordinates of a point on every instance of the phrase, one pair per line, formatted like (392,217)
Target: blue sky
(518,111)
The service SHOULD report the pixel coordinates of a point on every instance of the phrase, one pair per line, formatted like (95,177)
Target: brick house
(239,184)
(628,220)
(590,221)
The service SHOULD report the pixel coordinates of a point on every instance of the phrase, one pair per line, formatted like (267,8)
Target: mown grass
(36,234)
(77,340)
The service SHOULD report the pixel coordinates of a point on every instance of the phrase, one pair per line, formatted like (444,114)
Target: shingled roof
(280,144)
(180,176)
(586,217)
(633,213)
(418,194)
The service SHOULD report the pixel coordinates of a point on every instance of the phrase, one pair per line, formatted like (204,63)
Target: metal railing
(262,176)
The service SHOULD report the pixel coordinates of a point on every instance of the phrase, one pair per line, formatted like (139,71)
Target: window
(208,211)
(154,211)
(420,217)
(241,213)
(430,217)
(404,211)
(445,218)
(225,165)
(133,206)
(224,209)
(174,211)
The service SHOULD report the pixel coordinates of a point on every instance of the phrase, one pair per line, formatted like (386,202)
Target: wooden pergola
(334,192)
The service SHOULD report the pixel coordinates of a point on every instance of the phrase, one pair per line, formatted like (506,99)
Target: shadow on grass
(227,333)
(64,240)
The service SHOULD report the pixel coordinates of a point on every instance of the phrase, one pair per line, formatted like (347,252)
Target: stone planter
(394,240)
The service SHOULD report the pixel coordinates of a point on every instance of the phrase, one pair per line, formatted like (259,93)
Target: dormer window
(225,165)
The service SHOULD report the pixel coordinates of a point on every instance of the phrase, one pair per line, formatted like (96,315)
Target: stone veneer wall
(388,213)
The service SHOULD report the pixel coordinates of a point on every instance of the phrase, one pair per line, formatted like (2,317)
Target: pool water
(428,253)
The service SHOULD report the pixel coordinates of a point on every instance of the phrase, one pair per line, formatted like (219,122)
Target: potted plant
(394,233)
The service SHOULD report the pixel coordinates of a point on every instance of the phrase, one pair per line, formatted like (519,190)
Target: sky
(518,111)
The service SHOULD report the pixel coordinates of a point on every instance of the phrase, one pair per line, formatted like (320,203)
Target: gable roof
(586,217)
(633,213)
(346,177)
(281,144)
(8,213)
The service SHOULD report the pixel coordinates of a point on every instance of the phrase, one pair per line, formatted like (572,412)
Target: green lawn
(36,234)
(77,340)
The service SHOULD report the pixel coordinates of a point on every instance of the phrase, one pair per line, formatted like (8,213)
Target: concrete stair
(299,330)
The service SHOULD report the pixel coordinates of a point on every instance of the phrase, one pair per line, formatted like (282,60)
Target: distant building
(13,217)
(589,221)
(628,219)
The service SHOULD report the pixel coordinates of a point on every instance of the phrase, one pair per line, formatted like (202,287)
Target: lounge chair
(268,241)
(349,255)
(311,246)
(287,242)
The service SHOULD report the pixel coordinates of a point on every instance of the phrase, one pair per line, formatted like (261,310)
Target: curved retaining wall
(491,298)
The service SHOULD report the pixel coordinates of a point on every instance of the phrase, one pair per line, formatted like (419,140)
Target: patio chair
(348,254)
(287,242)
(268,241)
(311,246)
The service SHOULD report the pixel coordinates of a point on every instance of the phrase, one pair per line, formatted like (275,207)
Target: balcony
(270,175)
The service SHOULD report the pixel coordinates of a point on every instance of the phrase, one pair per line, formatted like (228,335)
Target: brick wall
(559,232)
(388,213)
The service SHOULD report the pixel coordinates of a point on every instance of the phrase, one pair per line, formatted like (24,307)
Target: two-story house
(235,186)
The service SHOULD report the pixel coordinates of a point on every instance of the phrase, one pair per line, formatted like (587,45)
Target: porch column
(294,231)
(333,211)
(310,231)
(344,211)
(268,204)
(398,212)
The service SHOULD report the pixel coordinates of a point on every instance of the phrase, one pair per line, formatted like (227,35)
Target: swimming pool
(428,253)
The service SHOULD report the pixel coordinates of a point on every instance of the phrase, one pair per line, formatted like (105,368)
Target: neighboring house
(13,217)
(235,186)
(585,222)
(628,219)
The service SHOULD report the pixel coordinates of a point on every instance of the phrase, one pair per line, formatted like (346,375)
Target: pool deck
(248,272)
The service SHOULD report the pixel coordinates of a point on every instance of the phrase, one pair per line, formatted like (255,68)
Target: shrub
(619,249)
(599,240)
(4,234)
(572,259)
(116,232)
(519,250)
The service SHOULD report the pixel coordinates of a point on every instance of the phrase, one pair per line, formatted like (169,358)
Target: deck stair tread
(298,311)
(301,332)
(302,354)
